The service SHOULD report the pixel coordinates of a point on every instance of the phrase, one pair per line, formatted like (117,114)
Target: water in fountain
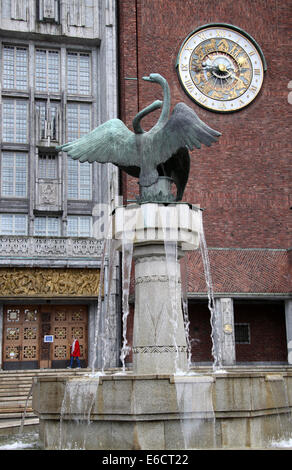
(195,405)
(107,345)
(279,395)
(78,401)
(171,261)
(127,256)
(106,274)
(25,410)
(214,316)
(99,307)
(184,285)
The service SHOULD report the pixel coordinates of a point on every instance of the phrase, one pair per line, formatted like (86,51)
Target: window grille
(13,224)
(14,120)
(47,70)
(79,179)
(47,168)
(78,120)
(14,174)
(242,333)
(15,67)
(47,226)
(78,73)
(79,226)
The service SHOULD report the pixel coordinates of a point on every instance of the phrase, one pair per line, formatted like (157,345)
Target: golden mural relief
(37,282)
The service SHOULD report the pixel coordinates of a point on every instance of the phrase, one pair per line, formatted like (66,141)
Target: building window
(14,174)
(242,333)
(79,226)
(78,120)
(13,224)
(78,73)
(15,66)
(47,73)
(47,168)
(14,120)
(48,121)
(79,179)
(47,226)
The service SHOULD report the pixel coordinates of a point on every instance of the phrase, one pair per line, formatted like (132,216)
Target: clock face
(221,68)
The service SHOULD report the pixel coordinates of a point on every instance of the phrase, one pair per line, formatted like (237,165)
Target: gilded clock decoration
(221,67)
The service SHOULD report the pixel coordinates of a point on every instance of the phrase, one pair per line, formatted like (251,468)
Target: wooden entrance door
(21,331)
(68,322)
(24,329)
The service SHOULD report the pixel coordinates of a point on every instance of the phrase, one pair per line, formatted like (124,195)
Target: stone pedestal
(159,234)
(159,340)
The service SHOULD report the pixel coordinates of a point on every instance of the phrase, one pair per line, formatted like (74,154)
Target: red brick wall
(267,332)
(244,182)
(200,332)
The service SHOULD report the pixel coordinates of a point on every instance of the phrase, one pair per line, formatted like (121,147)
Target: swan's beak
(148,79)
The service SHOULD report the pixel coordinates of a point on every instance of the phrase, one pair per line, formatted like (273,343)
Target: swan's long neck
(166,103)
(155,105)
(137,119)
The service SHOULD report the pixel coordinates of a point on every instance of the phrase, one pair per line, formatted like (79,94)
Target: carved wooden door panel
(21,337)
(68,321)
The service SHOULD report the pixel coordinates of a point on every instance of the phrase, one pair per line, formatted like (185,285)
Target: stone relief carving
(48,193)
(61,247)
(18,9)
(49,282)
(158,349)
(76,13)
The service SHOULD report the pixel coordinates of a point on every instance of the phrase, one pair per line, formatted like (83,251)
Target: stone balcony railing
(30,247)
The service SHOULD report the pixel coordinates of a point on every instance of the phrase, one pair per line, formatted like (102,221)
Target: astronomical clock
(221,67)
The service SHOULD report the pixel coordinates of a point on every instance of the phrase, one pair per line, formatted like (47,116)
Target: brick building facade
(243,182)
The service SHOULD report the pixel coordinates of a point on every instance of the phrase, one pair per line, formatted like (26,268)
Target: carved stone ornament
(49,247)
(48,194)
(38,282)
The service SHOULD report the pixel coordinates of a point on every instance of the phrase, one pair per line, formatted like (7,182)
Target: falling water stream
(127,256)
(214,315)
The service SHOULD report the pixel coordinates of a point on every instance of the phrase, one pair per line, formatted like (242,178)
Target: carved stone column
(159,340)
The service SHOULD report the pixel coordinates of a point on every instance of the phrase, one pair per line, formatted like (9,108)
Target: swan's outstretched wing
(183,129)
(178,167)
(111,142)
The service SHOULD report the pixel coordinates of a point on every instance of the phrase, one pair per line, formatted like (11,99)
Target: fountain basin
(202,411)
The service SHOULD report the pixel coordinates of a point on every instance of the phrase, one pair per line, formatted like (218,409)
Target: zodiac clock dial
(221,67)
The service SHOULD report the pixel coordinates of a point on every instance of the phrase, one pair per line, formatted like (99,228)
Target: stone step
(14,408)
(19,410)
(15,387)
(12,424)
(14,393)
(12,403)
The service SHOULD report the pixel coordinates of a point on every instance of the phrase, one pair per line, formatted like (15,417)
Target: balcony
(33,251)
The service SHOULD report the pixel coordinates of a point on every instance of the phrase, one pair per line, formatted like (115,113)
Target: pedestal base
(128,412)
